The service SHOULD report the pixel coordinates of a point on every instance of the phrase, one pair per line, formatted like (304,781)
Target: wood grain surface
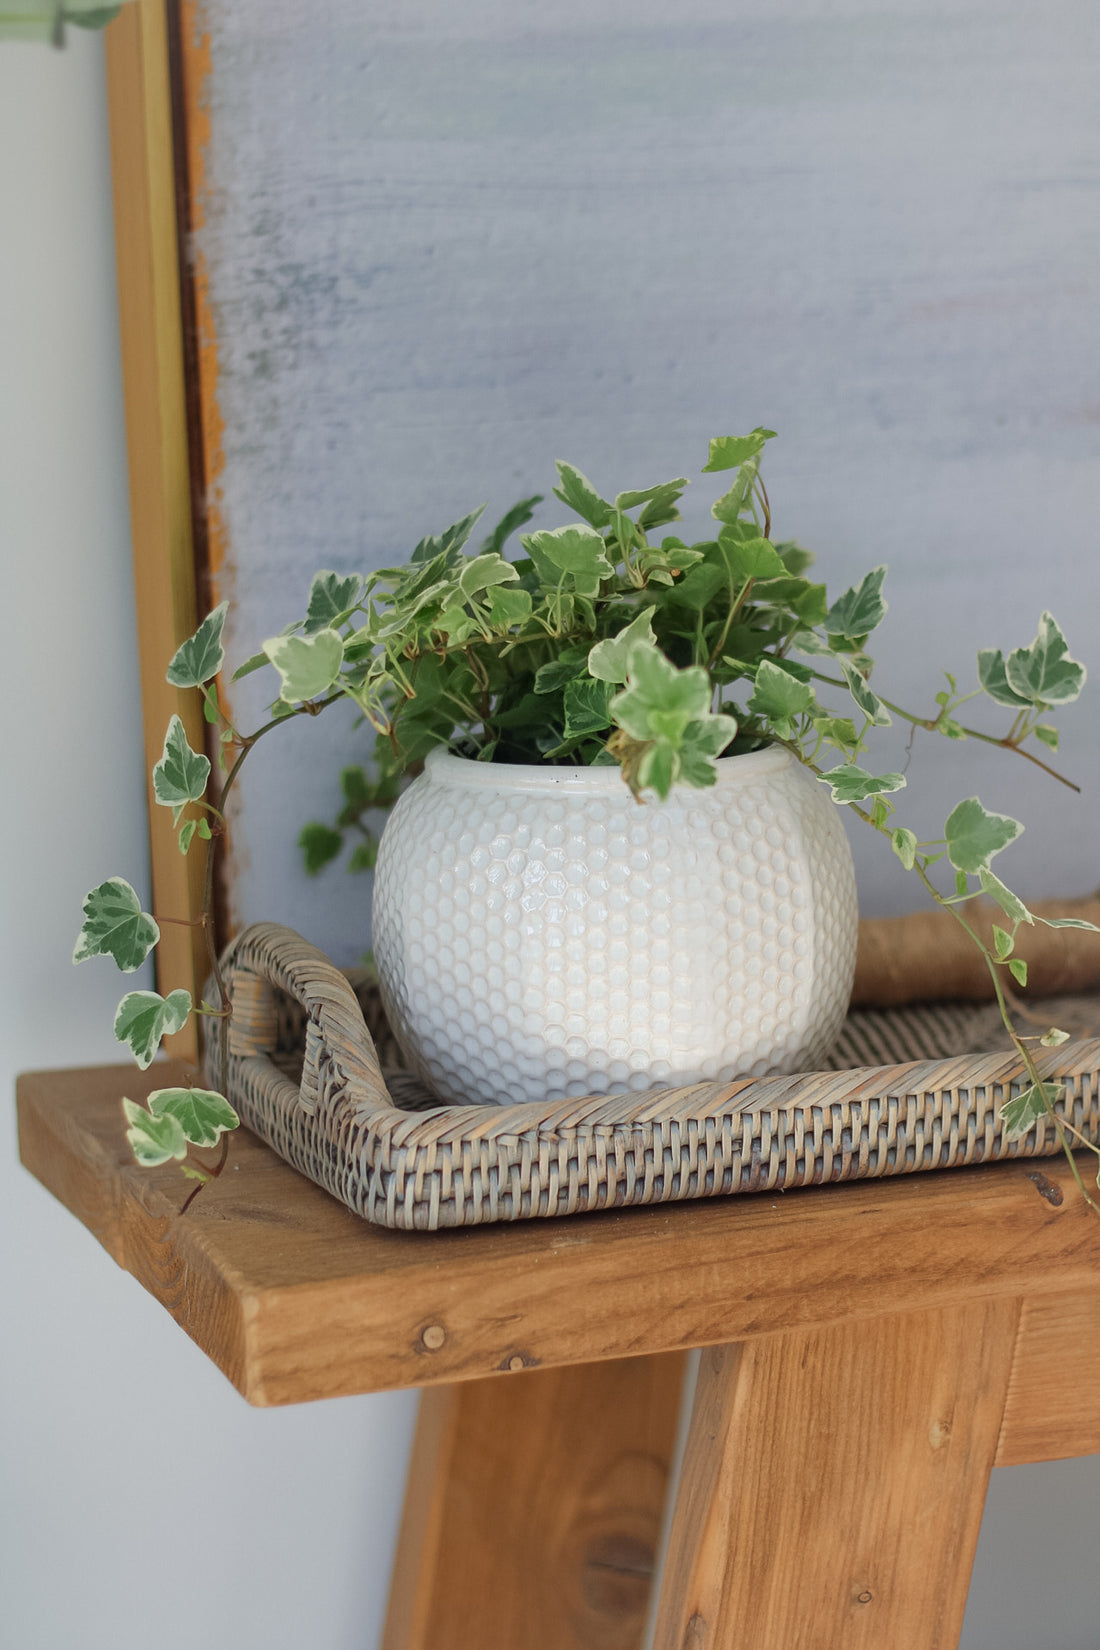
(147,251)
(295,1298)
(833,1485)
(1052,1410)
(533,1510)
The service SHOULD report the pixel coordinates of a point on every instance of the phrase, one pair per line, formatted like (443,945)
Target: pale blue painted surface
(450,247)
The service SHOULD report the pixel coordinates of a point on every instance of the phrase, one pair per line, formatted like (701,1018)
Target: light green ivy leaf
(780,698)
(199,659)
(1044,673)
(181,774)
(116,926)
(330,598)
(578,493)
(482,572)
(869,703)
(659,700)
(974,835)
(991,675)
(607,660)
(752,558)
(144,1017)
(577,552)
(854,784)
(203,1115)
(1020,1114)
(728,452)
(702,744)
(855,614)
(904,844)
(308,665)
(508,607)
(1013,907)
(153,1140)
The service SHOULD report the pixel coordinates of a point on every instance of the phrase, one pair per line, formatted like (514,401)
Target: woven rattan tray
(314,1070)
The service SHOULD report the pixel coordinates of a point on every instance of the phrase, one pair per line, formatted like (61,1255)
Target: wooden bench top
(295,1298)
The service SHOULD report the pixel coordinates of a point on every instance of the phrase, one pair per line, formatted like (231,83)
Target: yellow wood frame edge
(140,112)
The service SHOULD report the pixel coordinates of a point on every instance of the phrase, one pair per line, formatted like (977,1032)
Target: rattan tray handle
(337,1042)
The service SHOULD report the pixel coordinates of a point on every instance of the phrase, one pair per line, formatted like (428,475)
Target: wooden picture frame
(151,204)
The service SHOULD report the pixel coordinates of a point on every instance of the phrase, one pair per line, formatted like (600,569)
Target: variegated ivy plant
(599,644)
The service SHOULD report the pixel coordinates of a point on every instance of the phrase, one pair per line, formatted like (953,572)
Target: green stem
(930,723)
(1018,1043)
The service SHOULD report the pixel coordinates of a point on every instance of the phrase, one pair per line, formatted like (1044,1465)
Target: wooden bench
(870,1352)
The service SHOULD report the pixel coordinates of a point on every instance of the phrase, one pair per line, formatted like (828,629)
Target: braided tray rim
(452,1166)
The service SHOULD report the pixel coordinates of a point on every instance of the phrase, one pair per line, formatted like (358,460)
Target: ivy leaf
(1054,1038)
(1044,673)
(181,774)
(508,607)
(144,1017)
(364,856)
(256,662)
(659,700)
(442,545)
(577,552)
(578,493)
(116,926)
(1020,1115)
(853,784)
(660,502)
(1003,943)
(745,559)
(1014,909)
(518,516)
(607,660)
(319,844)
(153,1140)
(1017,967)
(1047,735)
(203,1115)
(729,452)
(991,675)
(855,614)
(780,697)
(703,743)
(484,571)
(730,507)
(585,703)
(330,597)
(698,587)
(869,703)
(904,844)
(974,835)
(308,665)
(199,659)
(187,831)
(1068,922)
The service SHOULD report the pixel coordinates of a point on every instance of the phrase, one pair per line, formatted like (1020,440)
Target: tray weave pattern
(380,1143)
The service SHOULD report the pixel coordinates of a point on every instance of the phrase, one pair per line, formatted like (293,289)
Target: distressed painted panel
(449,244)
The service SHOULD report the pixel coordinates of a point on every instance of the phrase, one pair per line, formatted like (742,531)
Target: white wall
(120,1442)
(123,1452)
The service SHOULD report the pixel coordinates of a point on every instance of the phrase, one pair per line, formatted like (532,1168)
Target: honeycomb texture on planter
(539,934)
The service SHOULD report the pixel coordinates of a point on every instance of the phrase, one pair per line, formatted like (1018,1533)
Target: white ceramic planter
(539,933)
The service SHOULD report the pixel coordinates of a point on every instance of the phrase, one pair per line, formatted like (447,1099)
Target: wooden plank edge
(151,337)
(144,1236)
(1050,1412)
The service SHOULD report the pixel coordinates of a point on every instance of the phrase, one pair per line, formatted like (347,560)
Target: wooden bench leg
(533,1509)
(833,1484)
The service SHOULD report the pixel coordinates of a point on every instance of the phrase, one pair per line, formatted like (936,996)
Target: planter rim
(440,764)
